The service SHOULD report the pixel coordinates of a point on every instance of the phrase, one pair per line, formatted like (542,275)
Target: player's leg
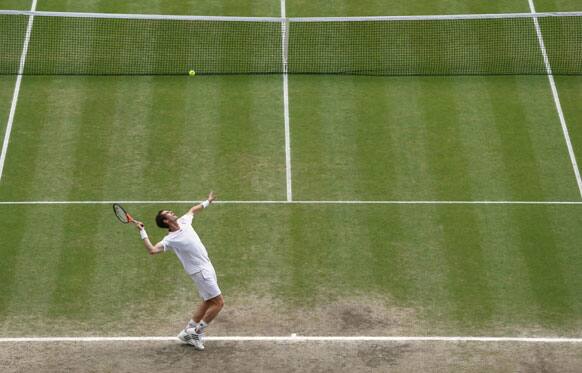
(200,312)
(213,299)
(197,315)
(191,334)
(188,334)
(214,306)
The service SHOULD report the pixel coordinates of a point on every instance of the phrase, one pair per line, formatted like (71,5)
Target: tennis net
(118,44)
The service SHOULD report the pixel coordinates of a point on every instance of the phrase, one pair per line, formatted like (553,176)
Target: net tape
(121,44)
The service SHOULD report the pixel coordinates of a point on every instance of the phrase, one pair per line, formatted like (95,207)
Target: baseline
(297,338)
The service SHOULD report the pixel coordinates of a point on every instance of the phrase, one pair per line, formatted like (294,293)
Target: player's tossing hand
(211,197)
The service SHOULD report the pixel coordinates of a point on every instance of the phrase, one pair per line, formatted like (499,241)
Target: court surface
(348,206)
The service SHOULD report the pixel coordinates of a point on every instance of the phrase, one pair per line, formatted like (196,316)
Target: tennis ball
(191,72)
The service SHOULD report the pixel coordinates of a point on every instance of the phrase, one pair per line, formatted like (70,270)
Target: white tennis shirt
(187,246)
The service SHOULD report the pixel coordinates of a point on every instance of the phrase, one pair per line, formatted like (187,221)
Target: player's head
(165,216)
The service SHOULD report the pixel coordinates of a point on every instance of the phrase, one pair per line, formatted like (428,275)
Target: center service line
(284,46)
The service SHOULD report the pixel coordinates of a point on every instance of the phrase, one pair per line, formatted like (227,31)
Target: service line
(273,202)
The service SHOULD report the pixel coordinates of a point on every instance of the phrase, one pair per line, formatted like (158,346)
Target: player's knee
(217,302)
(220,301)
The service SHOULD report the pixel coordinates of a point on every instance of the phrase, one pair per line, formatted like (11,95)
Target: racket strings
(120,213)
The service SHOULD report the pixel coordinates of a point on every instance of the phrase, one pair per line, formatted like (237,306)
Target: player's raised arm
(199,207)
(152,249)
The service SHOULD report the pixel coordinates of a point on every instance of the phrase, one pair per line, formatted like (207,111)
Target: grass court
(416,205)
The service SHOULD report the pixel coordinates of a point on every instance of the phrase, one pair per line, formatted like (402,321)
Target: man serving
(183,240)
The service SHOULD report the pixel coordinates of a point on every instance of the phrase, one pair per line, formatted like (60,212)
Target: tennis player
(185,243)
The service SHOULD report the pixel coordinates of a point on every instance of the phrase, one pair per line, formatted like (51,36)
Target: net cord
(289,20)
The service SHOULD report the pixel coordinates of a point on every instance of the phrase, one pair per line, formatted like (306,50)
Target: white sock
(191,324)
(201,327)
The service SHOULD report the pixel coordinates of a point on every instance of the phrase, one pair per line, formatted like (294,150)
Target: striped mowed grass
(461,269)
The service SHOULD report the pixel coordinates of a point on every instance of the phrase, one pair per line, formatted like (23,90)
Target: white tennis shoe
(189,336)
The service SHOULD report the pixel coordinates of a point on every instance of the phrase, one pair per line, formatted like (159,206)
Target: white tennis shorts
(206,282)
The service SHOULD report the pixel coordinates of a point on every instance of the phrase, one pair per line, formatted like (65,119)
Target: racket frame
(128,217)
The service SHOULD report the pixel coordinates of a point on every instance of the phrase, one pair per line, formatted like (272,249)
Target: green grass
(6,92)
(250,8)
(465,268)
(570,96)
(340,8)
(16,4)
(462,269)
(147,138)
(558,5)
(428,138)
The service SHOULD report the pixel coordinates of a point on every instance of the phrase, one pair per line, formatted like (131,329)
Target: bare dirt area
(344,317)
(252,316)
(290,357)
(359,316)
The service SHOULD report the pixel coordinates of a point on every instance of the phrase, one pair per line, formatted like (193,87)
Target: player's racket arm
(123,215)
(153,249)
(126,218)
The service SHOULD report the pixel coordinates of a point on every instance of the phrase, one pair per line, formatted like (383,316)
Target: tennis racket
(122,215)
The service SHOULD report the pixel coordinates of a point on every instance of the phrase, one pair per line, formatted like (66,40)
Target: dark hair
(160,220)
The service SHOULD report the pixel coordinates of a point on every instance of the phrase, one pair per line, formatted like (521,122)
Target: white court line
(16,89)
(556,97)
(296,338)
(295,202)
(434,17)
(284,45)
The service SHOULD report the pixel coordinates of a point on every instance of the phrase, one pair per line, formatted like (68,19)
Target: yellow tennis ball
(191,72)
